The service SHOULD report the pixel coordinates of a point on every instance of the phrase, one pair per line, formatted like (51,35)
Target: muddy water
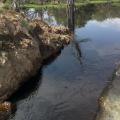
(68,87)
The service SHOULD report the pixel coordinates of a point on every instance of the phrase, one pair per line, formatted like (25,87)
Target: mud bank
(24,45)
(109,101)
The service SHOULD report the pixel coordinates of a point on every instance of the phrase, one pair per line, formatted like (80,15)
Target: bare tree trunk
(71,16)
(15,5)
(70,2)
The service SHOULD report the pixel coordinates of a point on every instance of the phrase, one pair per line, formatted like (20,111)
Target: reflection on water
(69,90)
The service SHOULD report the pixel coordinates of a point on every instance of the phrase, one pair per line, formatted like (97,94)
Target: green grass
(63,5)
(36,6)
(116,4)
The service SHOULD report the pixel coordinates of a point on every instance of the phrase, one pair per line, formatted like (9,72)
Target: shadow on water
(51,59)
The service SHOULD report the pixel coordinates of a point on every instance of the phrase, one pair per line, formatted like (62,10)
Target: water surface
(68,87)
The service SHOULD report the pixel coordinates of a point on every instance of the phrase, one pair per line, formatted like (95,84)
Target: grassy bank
(62,5)
(36,6)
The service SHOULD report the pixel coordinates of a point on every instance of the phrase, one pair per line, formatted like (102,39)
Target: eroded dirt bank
(24,45)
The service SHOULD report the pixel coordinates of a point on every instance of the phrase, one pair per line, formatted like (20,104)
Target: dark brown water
(68,87)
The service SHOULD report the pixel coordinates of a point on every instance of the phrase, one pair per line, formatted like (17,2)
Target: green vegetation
(63,5)
(38,4)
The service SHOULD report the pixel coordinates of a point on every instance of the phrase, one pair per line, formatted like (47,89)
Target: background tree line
(50,1)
